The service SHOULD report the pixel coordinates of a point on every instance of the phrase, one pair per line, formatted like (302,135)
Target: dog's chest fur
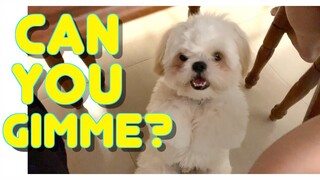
(205,129)
(200,115)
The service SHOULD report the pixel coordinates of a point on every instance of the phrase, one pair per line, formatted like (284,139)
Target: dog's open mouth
(199,83)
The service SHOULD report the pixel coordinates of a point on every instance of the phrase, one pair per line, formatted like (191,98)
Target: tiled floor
(140,38)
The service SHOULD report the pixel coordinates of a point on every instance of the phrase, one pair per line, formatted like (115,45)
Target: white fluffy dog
(201,62)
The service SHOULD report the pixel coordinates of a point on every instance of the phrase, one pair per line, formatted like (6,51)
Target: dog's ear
(243,49)
(158,66)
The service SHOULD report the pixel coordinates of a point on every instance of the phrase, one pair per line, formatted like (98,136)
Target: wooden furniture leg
(64,82)
(278,27)
(88,59)
(308,81)
(314,106)
(193,10)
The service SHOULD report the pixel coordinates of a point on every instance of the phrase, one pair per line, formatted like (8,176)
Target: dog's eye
(183,57)
(217,56)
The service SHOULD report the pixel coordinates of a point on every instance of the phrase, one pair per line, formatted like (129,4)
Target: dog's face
(203,56)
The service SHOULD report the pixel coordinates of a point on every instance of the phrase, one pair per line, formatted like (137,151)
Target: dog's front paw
(194,171)
(187,170)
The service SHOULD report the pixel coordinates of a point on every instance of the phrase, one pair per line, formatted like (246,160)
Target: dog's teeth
(195,84)
(199,84)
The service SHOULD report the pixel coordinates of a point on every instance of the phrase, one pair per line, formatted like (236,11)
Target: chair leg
(314,106)
(65,82)
(88,59)
(193,10)
(277,29)
(308,81)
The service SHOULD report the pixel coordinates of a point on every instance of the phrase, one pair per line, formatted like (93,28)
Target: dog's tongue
(199,83)
(199,80)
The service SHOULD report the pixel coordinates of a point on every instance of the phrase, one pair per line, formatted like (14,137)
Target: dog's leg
(188,171)
(149,162)
(222,166)
(157,168)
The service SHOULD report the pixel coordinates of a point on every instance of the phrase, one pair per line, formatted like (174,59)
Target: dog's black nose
(199,66)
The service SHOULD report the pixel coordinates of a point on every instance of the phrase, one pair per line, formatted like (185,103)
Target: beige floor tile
(261,131)
(140,82)
(288,64)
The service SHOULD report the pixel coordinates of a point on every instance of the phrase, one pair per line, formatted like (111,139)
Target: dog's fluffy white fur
(204,100)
